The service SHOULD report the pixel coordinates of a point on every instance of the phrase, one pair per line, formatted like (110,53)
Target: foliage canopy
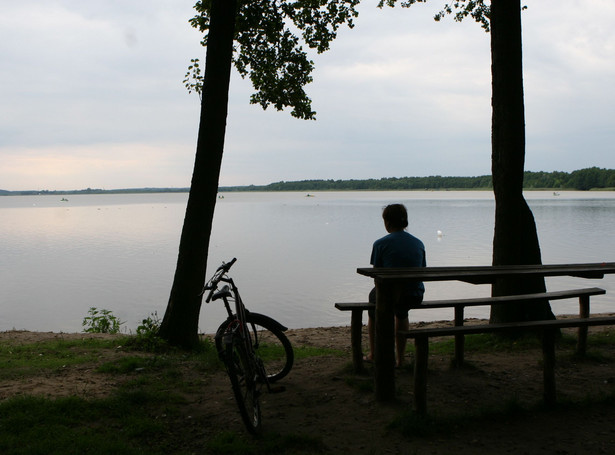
(269,51)
(477,9)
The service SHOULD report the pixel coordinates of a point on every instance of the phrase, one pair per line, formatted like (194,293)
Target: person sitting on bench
(397,249)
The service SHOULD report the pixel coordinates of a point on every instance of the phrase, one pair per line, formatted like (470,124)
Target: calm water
(297,255)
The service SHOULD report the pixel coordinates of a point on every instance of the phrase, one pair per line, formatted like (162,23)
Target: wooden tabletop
(487,274)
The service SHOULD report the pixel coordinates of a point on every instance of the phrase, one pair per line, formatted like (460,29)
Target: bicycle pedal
(278,389)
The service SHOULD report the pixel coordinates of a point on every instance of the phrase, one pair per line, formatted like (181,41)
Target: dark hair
(396,216)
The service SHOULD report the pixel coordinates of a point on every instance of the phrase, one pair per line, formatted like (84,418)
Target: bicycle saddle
(224,292)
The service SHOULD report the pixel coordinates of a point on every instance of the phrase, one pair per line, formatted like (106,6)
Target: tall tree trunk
(515,238)
(180,323)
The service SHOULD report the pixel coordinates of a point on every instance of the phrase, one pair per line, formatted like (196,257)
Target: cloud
(92,166)
(92,96)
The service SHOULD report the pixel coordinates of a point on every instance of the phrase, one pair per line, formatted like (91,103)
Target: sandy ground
(323,398)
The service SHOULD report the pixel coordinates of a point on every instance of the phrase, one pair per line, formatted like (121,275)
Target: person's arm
(376,259)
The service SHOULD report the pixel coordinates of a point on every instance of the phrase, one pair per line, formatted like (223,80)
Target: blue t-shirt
(400,249)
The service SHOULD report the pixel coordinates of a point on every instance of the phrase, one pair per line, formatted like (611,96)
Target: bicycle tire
(241,372)
(272,346)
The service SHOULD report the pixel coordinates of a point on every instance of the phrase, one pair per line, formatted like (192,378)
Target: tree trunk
(180,323)
(515,238)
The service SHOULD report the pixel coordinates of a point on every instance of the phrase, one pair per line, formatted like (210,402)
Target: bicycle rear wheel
(270,344)
(242,373)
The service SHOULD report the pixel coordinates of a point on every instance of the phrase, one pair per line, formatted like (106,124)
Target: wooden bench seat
(357,308)
(546,328)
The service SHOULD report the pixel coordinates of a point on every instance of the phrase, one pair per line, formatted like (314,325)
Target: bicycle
(253,347)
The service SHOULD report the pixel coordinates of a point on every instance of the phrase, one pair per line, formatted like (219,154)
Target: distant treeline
(584,179)
(93,191)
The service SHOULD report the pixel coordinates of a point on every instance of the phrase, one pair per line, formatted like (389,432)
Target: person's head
(395,217)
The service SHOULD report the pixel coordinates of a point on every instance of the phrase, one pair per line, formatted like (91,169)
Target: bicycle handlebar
(226,267)
(212,284)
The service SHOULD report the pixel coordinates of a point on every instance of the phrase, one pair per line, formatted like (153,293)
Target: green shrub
(101,321)
(147,337)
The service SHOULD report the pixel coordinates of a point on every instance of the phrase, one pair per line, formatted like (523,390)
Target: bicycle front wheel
(270,344)
(241,369)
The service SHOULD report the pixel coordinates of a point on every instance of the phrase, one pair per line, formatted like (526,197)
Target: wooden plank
(487,274)
(511,326)
(553,295)
(351,306)
(478,301)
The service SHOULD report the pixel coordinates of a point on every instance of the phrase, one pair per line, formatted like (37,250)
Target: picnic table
(389,282)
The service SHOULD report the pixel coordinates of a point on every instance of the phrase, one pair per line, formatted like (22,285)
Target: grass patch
(36,425)
(489,343)
(143,415)
(412,425)
(149,412)
(124,365)
(23,360)
(303,352)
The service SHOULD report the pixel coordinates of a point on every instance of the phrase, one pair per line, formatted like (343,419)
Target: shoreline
(303,331)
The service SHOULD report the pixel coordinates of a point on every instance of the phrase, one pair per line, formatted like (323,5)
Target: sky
(91,95)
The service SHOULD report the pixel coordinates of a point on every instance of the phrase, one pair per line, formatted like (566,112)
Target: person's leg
(400,341)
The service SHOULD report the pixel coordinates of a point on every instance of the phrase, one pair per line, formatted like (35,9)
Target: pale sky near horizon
(91,95)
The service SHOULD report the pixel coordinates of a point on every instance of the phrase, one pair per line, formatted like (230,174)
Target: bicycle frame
(239,326)
(237,342)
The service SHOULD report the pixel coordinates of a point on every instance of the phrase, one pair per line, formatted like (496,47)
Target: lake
(297,255)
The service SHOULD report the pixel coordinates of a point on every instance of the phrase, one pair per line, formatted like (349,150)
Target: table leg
(384,352)
(420,374)
(356,327)
(582,335)
(459,339)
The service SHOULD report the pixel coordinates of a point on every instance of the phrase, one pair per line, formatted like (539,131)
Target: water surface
(297,255)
